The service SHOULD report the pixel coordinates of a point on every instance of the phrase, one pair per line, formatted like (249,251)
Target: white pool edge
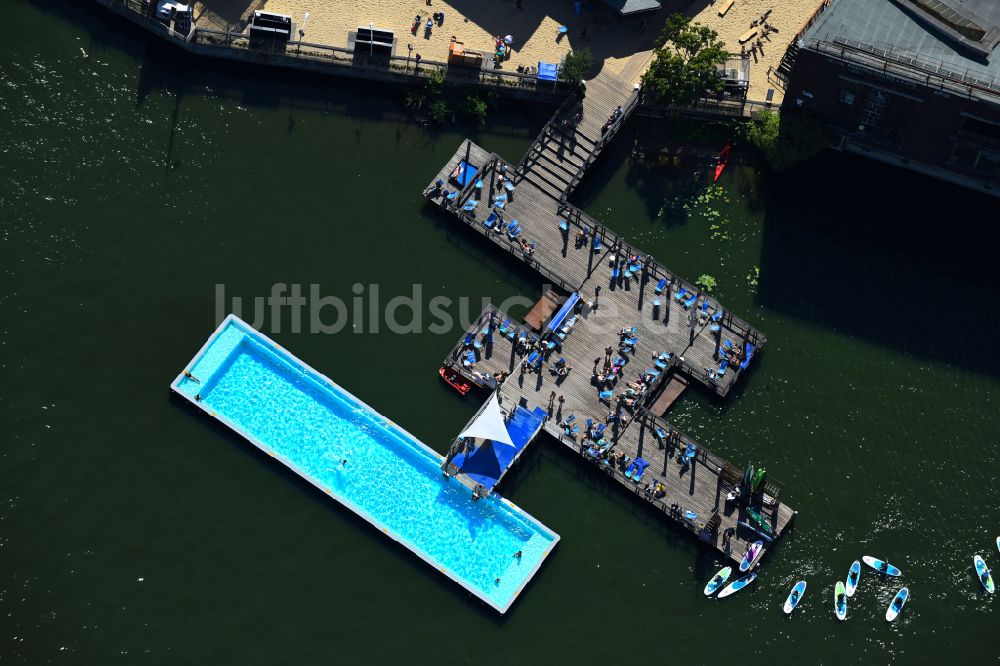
(232,318)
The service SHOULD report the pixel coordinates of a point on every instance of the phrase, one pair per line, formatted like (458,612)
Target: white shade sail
(489,424)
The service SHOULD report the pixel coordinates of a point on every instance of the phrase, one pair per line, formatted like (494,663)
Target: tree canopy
(576,65)
(686,66)
(787,139)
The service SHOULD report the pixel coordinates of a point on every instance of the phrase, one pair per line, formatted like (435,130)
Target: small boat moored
(455,380)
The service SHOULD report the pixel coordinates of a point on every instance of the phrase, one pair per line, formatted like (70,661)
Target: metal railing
(627,110)
(333,59)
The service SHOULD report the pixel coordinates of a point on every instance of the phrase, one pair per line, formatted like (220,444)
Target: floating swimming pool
(390,478)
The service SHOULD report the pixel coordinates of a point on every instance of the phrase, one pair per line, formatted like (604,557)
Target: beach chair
(723,366)
(572,431)
(491,220)
(477,344)
(660,286)
(606,395)
(689,302)
(749,350)
(615,273)
(532,357)
(564,226)
(704,307)
(537,365)
(509,186)
(600,429)
(715,328)
(728,344)
(500,198)
(718,315)
(656,302)
(470,359)
(452,195)
(630,342)
(504,326)
(469,339)
(499,205)
(486,329)
(680,294)
(470,204)
(689,453)
(661,434)
(660,363)
(590,425)
(514,230)
(653,373)
(597,244)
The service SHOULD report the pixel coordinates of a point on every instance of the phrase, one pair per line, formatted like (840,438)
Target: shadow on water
(884,255)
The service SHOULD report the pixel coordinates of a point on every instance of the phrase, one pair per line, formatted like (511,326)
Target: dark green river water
(135,180)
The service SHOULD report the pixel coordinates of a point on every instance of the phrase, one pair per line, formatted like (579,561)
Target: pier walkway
(600,285)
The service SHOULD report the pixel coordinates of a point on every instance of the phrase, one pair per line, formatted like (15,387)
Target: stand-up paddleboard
(795,596)
(766,537)
(983,573)
(897,604)
(738,585)
(753,552)
(881,566)
(718,580)
(840,601)
(760,520)
(853,578)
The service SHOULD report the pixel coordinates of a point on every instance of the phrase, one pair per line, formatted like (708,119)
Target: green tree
(786,139)
(476,108)
(576,65)
(439,111)
(687,65)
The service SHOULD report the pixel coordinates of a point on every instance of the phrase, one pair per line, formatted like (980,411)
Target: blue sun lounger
(728,344)
(749,348)
(661,434)
(689,302)
(490,220)
(660,286)
(718,315)
(723,366)
(597,244)
(503,327)
(660,363)
(600,429)
(615,273)
(470,204)
(469,359)
(469,339)
(564,225)
(606,395)
(704,307)
(630,342)
(514,230)
(532,357)
(635,469)
(500,198)
(509,186)
(452,195)
(653,372)
(680,294)
(656,301)
(715,328)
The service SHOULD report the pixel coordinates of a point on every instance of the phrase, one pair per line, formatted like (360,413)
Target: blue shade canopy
(548,71)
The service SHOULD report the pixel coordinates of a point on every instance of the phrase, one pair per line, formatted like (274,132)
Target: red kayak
(455,380)
(723,158)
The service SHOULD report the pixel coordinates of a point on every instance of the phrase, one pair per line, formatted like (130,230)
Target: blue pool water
(390,478)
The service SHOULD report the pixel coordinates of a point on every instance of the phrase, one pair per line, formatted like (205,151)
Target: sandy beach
(622,45)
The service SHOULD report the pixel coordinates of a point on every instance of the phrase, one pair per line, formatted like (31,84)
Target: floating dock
(365,462)
(600,285)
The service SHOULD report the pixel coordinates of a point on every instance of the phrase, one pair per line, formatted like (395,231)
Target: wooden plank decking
(673,321)
(700,487)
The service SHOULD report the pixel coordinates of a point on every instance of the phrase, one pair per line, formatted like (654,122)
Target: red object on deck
(723,159)
(455,380)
